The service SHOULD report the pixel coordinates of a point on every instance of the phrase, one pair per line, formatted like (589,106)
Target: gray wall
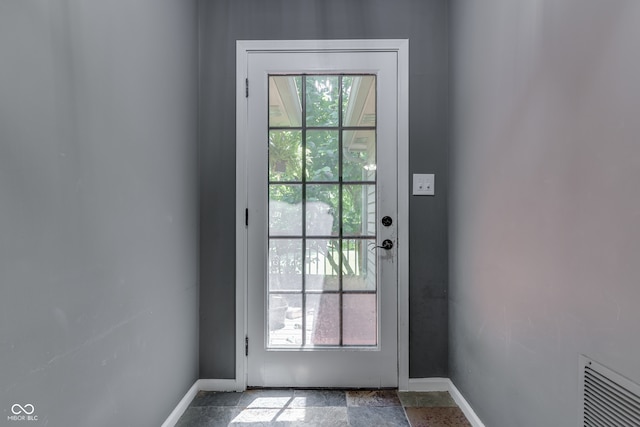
(425,23)
(545,202)
(98,209)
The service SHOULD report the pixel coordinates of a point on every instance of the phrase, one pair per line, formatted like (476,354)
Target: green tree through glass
(321,162)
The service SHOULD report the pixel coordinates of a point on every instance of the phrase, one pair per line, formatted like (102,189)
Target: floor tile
(318,398)
(207,416)
(321,417)
(266,398)
(297,417)
(436,417)
(255,417)
(363,416)
(322,408)
(373,398)
(426,399)
(212,398)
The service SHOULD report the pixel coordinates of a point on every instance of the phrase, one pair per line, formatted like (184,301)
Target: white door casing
(386,363)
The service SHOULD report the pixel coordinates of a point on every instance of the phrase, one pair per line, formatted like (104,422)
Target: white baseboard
(182,406)
(464,406)
(445,384)
(200,385)
(429,384)
(220,385)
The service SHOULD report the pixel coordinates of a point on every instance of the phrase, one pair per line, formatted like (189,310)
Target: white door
(322,174)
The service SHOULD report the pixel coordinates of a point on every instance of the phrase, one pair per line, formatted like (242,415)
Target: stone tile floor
(320,408)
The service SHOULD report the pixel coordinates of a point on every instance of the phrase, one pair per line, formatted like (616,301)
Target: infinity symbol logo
(18,409)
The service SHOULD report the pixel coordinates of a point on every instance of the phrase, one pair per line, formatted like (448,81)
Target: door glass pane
(323,155)
(285,155)
(322,288)
(322,264)
(359,101)
(359,313)
(285,210)
(358,265)
(359,210)
(285,264)
(322,98)
(359,155)
(323,311)
(285,101)
(322,209)
(285,320)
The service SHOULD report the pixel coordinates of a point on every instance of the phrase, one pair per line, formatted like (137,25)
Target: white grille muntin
(609,399)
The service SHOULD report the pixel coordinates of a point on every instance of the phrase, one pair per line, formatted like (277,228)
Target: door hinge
(246,217)
(246,86)
(246,346)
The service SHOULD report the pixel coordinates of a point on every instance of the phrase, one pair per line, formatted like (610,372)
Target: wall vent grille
(609,399)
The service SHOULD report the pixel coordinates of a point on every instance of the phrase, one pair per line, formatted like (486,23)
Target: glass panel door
(322,172)
(322,287)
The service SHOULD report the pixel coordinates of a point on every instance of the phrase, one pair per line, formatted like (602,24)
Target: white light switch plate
(424,184)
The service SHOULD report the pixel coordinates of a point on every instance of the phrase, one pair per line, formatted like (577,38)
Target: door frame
(243,49)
